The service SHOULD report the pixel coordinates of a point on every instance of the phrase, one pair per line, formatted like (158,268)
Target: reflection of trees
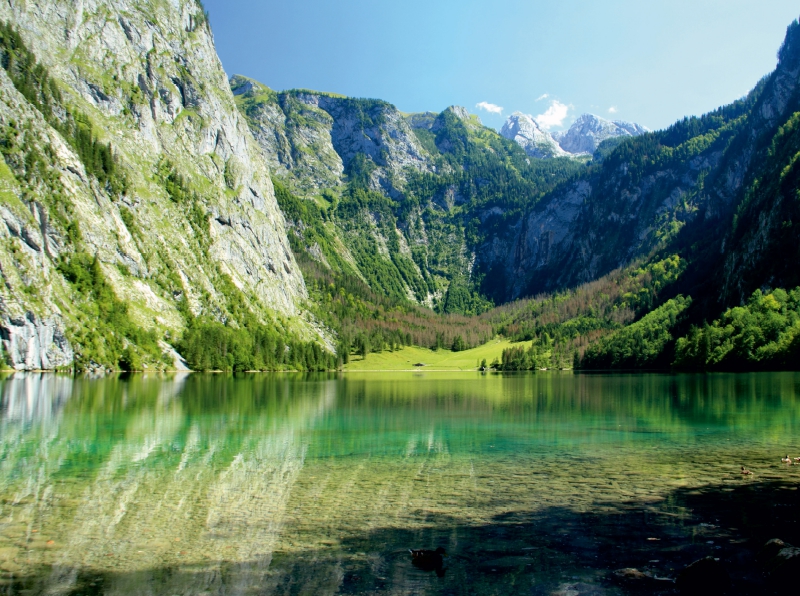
(202,466)
(557,407)
(228,478)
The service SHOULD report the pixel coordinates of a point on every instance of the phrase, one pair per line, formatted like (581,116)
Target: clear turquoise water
(535,484)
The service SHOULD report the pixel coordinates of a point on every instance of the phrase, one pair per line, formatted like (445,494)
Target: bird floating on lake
(787,459)
(745,471)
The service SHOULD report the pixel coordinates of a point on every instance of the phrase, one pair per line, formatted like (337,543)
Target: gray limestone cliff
(147,77)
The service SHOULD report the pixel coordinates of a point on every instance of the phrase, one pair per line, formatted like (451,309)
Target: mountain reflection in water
(259,484)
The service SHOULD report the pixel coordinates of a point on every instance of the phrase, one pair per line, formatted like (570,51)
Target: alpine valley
(158,215)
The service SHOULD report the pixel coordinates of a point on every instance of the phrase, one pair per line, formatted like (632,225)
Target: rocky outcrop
(781,562)
(30,343)
(423,120)
(588,131)
(525,131)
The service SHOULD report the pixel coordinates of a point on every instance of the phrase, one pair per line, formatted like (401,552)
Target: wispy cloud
(553,116)
(612,110)
(489,107)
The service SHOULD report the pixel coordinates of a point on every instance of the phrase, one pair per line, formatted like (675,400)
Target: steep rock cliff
(146,76)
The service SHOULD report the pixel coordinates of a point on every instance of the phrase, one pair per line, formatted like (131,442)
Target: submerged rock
(631,574)
(782,562)
(704,576)
(770,551)
(631,577)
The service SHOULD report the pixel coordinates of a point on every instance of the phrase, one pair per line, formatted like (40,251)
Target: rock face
(781,561)
(536,142)
(147,77)
(34,344)
(319,143)
(315,137)
(588,131)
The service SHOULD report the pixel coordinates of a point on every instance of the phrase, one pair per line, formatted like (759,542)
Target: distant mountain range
(582,138)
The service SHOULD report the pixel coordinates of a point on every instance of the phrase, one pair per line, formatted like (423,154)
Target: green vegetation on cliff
(33,81)
(366,320)
(108,337)
(128,269)
(643,344)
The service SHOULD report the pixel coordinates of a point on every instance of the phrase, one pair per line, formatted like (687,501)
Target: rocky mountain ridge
(315,137)
(587,132)
(419,163)
(581,139)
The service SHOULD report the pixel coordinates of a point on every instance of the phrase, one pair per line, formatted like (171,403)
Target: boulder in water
(705,576)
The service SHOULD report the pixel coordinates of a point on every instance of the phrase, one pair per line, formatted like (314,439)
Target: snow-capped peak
(524,130)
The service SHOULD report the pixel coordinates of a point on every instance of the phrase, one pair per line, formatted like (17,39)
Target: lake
(292,484)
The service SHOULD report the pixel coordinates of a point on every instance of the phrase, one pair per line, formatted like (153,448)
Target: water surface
(534,484)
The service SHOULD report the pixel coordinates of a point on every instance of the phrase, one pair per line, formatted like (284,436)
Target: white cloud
(489,107)
(612,110)
(543,96)
(553,116)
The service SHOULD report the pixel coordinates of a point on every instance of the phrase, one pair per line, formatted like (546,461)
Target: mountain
(582,138)
(315,137)
(397,193)
(154,211)
(587,132)
(715,190)
(523,129)
(134,198)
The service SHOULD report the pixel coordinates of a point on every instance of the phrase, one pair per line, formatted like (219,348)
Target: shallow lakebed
(291,484)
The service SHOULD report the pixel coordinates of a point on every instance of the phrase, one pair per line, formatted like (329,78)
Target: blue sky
(646,61)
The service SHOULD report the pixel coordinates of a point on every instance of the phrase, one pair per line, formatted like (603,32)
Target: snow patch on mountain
(582,138)
(588,131)
(526,132)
